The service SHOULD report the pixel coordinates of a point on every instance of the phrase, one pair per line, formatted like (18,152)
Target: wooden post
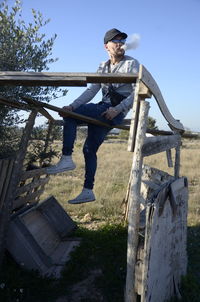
(177,162)
(169,158)
(141,93)
(15,178)
(134,202)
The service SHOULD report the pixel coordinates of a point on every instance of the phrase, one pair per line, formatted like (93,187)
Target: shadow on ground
(96,272)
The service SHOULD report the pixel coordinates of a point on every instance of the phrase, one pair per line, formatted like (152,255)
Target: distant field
(114,164)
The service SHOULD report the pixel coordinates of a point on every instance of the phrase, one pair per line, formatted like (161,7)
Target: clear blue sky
(169,46)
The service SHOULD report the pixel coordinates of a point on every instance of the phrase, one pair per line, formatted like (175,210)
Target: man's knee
(89,150)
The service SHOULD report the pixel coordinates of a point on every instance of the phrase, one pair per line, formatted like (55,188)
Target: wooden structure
(31,230)
(38,237)
(163,197)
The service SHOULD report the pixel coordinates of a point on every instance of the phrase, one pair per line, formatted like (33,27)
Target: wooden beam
(32,173)
(154,145)
(14,104)
(169,158)
(32,197)
(62,78)
(72,114)
(32,185)
(141,92)
(43,111)
(149,81)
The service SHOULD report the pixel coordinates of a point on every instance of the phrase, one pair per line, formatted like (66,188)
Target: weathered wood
(8,204)
(165,257)
(177,161)
(5,175)
(148,80)
(144,91)
(32,173)
(62,78)
(134,203)
(169,158)
(36,237)
(32,197)
(3,172)
(73,115)
(134,120)
(141,92)
(57,217)
(33,185)
(41,230)
(154,145)
(12,103)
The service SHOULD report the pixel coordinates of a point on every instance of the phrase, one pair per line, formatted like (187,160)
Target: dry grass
(114,165)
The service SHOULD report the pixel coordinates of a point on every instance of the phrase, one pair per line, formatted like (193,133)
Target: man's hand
(67,108)
(110,113)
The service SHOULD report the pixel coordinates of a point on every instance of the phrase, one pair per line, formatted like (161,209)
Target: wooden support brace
(154,145)
(134,203)
(169,158)
(177,162)
(141,92)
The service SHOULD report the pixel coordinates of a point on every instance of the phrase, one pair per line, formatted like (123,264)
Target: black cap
(113,33)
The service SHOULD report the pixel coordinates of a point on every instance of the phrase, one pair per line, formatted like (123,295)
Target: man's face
(114,46)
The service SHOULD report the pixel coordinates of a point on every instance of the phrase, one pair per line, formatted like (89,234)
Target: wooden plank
(3,172)
(154,145)
(149,81)
(169,158)
(177,161)
(5,181)
(134,204)
(141,92)
(165,260)
(42,81)
(57,217)
(17,203)
(25,249)
(32,173)
(14,104)
(41,230)
(33,185)
(62,78)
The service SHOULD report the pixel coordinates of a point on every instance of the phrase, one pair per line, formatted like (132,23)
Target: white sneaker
(65,164)
(86,195)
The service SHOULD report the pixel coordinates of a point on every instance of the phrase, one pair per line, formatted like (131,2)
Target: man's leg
(69,135)
(96,136)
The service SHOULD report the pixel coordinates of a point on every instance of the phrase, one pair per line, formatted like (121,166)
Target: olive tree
(23,47)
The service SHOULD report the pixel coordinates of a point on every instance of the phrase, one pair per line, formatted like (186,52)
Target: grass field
(98,268)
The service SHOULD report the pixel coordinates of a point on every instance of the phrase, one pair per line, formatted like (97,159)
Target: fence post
(134,202)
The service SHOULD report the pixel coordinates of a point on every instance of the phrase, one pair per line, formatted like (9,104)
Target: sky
(169,47)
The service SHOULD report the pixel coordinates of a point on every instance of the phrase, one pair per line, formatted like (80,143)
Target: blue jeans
(95,137)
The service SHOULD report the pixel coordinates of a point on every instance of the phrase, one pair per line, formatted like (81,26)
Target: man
(117,100)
